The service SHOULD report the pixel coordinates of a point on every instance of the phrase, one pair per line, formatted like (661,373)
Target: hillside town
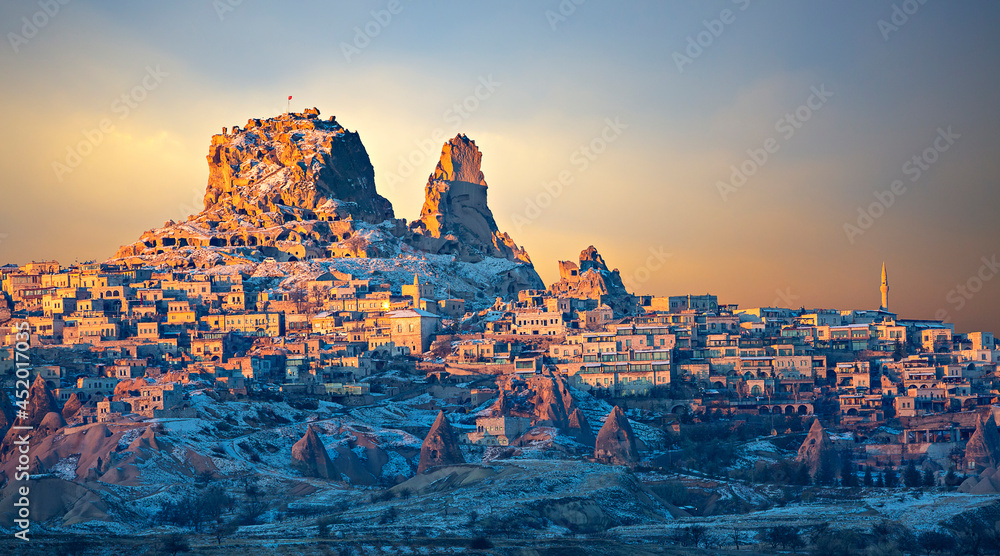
(119,342)
(299,359)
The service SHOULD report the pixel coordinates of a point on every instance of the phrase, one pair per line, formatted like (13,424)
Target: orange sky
(652,190)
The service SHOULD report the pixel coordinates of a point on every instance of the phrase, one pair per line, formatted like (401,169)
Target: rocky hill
(455,217)
(591,279)
(299,188)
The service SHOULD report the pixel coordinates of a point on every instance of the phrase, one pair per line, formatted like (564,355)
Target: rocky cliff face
(616,442)
(440,446)
(591,279)
(72,406)
(290,187)
(545,400)
(293,163)
(296,187)
(983,447)
(455,217)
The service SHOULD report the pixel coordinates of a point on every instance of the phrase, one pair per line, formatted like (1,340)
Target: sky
(772,154)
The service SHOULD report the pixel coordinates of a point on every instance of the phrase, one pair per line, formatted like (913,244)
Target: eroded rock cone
(816,445)
(983,447)
(52,422)
(455,217)
(72,406)
(6,415)
(310,458)
(40,401)
(579,427)
(440,447)
(616,441)
(551,402)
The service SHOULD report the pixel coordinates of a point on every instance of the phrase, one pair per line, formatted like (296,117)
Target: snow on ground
(596,411)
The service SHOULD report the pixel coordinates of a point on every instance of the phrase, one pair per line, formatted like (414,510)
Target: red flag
(289,97)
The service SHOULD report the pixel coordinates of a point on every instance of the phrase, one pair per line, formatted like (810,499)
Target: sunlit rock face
(591,279)
(299,188)
(455,217)
(292,187)
(440,446)
(295,162)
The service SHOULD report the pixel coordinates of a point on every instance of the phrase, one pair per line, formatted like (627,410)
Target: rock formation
(358,458)
(52,422)
(440,446)
(72,406)
(310,458)
(591,279)
(551,401)
(579,427)
(987,482)
(289,187)
(546,401)
(983,447)
(815,447)
(455,218)
(299,188)
(616,442)
(7,415)
(40,401)
(292,164)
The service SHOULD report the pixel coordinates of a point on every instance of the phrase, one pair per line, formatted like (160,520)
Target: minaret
(885,289)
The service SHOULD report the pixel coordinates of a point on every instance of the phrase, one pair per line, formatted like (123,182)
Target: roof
(410,313)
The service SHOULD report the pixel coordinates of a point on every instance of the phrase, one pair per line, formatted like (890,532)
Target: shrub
(786,536)
(480,543)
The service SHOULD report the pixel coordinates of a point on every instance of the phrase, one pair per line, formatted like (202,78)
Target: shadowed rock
(616,441)
(72,406)
(579,427)
(40,401)
(440,447)
(815,447)
(6,415)
(52,422)
(983,447)
(310,458)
